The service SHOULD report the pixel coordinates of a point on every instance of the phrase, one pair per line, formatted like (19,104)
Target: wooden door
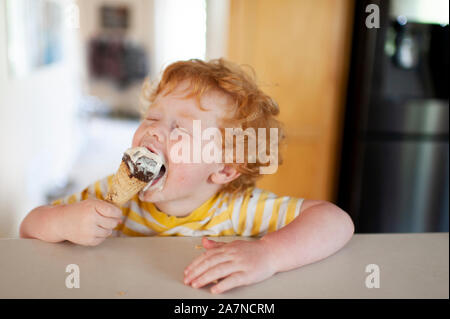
(300,51)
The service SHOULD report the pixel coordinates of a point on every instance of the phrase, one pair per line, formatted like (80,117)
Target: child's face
(166,115)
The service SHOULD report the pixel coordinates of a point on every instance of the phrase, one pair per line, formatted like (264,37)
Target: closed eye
(181,128)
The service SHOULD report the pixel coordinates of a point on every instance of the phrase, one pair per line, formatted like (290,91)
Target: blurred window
(35,37)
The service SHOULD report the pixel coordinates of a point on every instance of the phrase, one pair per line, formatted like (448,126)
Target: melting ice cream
(143,164)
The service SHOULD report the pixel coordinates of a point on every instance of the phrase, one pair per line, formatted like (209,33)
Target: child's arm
(320,230)
(86,223)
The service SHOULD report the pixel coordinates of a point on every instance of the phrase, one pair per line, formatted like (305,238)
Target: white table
(411,266)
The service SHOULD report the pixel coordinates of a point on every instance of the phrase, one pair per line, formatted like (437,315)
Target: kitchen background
(365,108)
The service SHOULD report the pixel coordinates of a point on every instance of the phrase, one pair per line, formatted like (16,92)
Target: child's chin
(150,195)
(145,196)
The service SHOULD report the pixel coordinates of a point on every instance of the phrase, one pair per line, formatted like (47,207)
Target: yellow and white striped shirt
(254,212)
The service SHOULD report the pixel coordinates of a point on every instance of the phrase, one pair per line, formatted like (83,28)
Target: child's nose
(157,134)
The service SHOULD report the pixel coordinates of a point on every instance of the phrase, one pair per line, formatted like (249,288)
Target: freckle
(198,246)
(121,293)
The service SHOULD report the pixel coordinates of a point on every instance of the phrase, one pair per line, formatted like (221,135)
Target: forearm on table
(316,233)
(42,223)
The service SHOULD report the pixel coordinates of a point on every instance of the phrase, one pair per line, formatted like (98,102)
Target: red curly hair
(253,108)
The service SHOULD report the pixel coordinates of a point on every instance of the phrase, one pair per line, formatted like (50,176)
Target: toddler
(213,196)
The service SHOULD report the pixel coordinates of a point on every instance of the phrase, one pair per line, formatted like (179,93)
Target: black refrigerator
(394,171)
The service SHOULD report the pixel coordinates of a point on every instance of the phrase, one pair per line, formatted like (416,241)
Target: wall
(300,52)
(217,19)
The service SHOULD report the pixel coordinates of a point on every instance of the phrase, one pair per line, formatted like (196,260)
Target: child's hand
(239,263)
(89,222)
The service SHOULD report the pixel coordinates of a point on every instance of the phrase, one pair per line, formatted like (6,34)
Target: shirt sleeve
(258,212)
(98,190)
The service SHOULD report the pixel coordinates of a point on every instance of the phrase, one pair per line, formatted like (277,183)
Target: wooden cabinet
(300,51)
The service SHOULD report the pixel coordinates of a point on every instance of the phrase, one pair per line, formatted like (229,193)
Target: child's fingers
(214,273)
(235,280)
(102,232)
(107,222)
(204,265)
(96,241)
(208,243)
(106,209)
(200,258)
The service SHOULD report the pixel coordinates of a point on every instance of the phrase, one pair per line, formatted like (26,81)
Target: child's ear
(225,175)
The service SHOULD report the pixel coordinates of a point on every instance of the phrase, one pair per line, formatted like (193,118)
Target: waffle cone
(123,187)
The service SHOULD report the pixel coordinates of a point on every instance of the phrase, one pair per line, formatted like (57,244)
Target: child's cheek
(187,175)
(138,136)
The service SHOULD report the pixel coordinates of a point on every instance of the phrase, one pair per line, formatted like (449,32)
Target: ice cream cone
(123,186)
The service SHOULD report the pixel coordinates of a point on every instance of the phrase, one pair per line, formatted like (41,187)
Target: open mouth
(161,173)
(156,183)
(152,149)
